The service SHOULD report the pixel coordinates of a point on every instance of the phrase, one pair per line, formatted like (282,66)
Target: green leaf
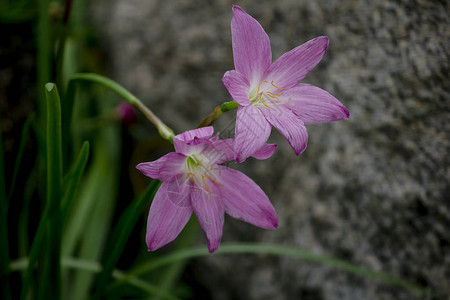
(94,267)
(121,234)
(23,139)
(43,55)
(72,180)
(4,248)
(51,282)
(279,250)
(91,213)
(50,220)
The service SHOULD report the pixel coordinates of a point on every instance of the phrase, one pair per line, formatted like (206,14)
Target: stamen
(213,179)
(203,179)
(275,94)
(276,86)
(259,95)
(272,95)
(260,99)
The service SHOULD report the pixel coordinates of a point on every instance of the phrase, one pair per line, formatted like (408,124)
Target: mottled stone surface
(373,190)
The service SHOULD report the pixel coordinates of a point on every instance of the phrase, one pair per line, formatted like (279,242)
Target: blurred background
(373,190)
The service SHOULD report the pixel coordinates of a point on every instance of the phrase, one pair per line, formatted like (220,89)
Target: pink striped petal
(289,125)
(251,133)
(238,87)
(192,141)
(219,151)
(251,46)
(265,151)
(166,219)
(245,200)
(209,210)
(314,105)
(294,65)
(165,168)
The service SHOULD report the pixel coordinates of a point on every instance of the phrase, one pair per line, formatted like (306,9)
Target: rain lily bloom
(269,94)
(194,181)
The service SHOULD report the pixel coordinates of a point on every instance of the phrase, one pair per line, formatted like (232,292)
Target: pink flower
(194,181)
(269,94)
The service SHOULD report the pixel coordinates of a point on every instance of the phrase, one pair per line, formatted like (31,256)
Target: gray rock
(373,190)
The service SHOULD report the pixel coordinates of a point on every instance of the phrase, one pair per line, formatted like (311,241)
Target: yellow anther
(191,175)
(203,179)
(272,95)
(213,179)
(276,86)
(275,94)
(259,95)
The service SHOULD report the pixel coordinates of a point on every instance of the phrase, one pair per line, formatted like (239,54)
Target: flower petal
(289,125)
(251,46)
(251,133)
(192,141)
(165,219)
(165,168)
(238,87)
(265,151)
(314,105)
(209,210)
(219,151)
(294,65)
(245,200)
(179,191)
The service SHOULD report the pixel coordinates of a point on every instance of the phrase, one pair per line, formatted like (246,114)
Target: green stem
(281,250)
(163,129)
(218,111)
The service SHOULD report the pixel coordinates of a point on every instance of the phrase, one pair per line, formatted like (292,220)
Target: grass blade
(4,248)
(23,139)
(94,267)
(43,53)
(72,180)
(51,281)
(280,250)
(121,234)
(93,210)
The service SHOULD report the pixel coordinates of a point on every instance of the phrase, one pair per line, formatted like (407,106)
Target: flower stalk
(218,111)
(163,129)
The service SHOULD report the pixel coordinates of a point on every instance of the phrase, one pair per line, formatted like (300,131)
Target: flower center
(265,95)
(198,171)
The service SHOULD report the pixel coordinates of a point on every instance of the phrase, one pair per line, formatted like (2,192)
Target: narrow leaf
(23,139)
(72,180)
(94,267)
(4,248)
(279,250)
(121,234)
(51,282)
